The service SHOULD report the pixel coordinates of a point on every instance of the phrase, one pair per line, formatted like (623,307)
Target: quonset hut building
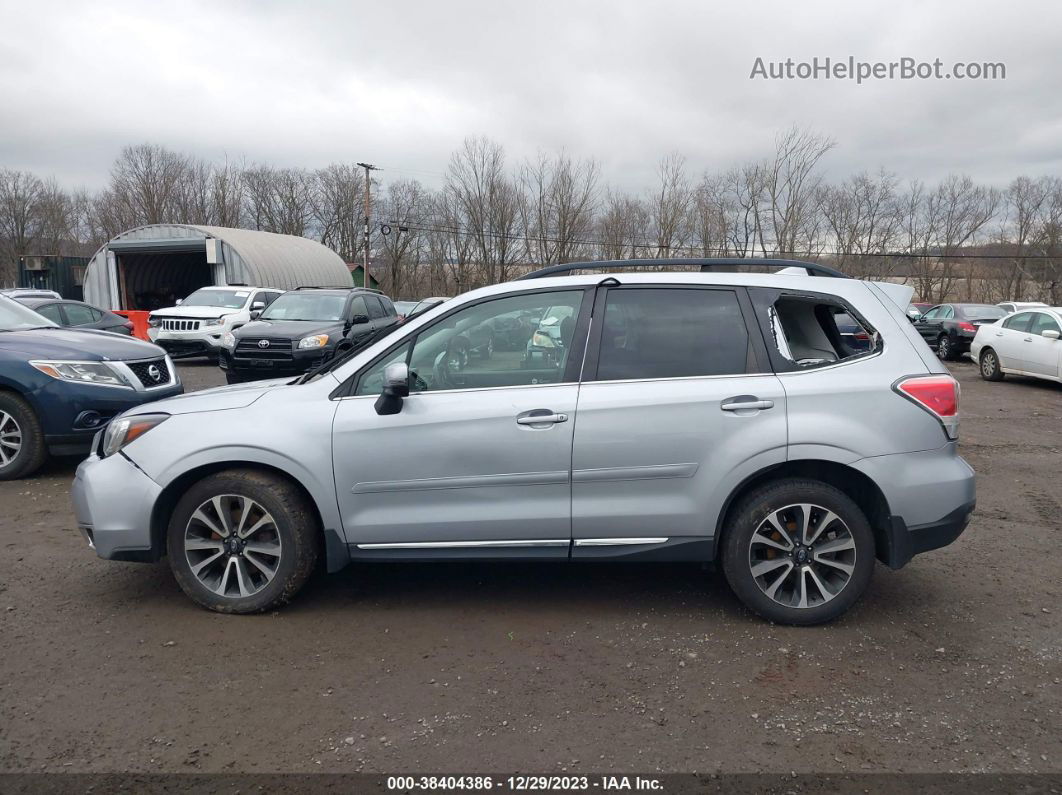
(152,266)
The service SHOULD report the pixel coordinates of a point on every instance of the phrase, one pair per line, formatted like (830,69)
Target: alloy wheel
(232,545)
(943,348)
(988,364)
(802,555)
(10,439)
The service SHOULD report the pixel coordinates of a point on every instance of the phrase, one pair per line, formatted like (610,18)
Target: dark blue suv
(59,386)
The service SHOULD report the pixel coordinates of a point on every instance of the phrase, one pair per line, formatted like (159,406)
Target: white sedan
(1023,343)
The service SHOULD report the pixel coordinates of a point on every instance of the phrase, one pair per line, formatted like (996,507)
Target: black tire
(295,528)
(752,512)
(233,378)
(17,415)
(989,365)
(945,348)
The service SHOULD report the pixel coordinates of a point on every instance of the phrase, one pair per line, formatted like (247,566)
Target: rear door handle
(746,404)
(999,333)
(532,418)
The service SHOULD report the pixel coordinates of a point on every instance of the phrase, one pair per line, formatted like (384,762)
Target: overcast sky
(401,84)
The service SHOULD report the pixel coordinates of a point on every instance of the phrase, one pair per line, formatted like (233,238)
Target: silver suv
(697,416)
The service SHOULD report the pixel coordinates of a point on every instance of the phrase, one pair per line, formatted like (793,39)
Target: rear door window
(1019,322)
(1043,322)
(375,308)
(654,333)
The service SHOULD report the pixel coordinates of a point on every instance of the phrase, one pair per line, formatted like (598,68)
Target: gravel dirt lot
(951,664)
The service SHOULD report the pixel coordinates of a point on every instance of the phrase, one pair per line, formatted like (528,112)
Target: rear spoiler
(900,294)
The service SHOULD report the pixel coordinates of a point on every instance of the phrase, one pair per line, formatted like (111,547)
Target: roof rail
(705,264)
(337,287)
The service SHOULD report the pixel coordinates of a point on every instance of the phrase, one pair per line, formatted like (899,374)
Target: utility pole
(368,204)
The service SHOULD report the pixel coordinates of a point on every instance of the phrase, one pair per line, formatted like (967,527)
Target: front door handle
(746,404)
(545,418)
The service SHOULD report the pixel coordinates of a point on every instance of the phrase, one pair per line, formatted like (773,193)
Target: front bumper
(252,368)
(113,500)
(185,343)
(72,412)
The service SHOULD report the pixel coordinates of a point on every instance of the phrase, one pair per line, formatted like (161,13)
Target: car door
(359,321)
(81,315)
(675,399)
(1008,338)
(931,323)
(478,459)
(52,312)
(1041,355)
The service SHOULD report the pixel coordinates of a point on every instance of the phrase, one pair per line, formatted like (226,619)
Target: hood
(290,329)
(194,311)
(84,345)
(237,396)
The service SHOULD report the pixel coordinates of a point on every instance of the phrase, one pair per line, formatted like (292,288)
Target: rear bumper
(930,496)
(113,500)
(904,542)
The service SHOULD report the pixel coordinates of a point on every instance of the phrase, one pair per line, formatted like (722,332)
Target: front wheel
(990,369)
(798,552)
(242,541)
(22,447)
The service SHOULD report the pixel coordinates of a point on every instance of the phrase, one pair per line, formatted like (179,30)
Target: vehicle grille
(178,324)
(144,372)
(277,350)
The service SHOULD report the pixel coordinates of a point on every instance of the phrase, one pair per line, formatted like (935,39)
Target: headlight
(124,430)
(316,341)
(217,321)
(228,339)
(154,322)
(85,372)
(542,340)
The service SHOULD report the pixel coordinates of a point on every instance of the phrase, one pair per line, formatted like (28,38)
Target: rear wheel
(798,552)
(990,369)
(242,541)
(22,447)
(945,349)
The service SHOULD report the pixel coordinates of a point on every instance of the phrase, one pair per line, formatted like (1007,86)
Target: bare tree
(557,209)
(623,226)
(669,207)
(791,182)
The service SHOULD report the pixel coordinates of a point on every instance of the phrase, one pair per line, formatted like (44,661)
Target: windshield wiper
(335,361)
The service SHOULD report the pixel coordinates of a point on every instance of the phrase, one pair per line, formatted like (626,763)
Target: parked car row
(1012,337)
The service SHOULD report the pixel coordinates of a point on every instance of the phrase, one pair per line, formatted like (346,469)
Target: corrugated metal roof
(262,259)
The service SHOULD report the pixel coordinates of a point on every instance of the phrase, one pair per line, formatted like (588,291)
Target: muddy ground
(951,664)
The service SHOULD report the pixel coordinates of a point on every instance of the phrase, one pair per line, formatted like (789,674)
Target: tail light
(937,394)
(964,326)
(862,336)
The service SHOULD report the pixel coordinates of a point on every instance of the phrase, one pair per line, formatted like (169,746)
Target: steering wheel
(443,372)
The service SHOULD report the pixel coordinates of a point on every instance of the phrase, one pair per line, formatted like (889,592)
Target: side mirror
(179,302)
(359,320)
(395,388)
(259,305)
(1050,333)
(255,313)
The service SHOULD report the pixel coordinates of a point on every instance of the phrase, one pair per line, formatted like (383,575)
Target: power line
(456,230)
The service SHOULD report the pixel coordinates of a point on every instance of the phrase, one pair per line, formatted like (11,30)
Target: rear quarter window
(808,331)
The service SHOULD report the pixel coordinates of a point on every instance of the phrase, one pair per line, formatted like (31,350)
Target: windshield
(983,312)
(226,299)
(16,317)
(305,306)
